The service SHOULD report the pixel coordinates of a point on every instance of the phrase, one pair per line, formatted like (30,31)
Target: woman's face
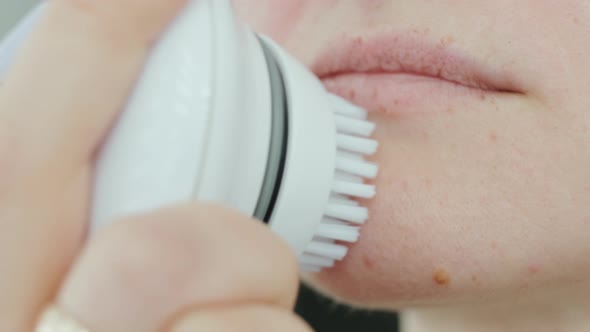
(483,112)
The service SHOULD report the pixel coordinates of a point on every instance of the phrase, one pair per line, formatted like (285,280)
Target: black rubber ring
(277,156)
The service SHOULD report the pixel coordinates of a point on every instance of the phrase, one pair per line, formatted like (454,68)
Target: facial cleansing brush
(224,115)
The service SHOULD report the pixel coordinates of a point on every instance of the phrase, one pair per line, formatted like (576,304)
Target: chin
(405,258)
(386,269)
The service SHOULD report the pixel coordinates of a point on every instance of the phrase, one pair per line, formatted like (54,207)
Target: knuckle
(282,259)
(246,233)
(253,238)
(285,262)
(174,245)
(141,251)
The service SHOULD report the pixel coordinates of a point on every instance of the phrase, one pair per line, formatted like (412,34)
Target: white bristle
(354,189)
(342,176)
(338,232)
(326,249)
(343,214)
(343,200)
(344,107)
(354,214)
(310,268)
(309,259)
(357,167)
(360,145)
(348,125)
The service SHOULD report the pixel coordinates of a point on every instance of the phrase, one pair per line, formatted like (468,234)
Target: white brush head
(344,215)
(327,171)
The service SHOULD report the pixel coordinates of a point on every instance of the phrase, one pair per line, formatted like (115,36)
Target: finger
(74,73)
(242,319)
(57,100)
(137,274)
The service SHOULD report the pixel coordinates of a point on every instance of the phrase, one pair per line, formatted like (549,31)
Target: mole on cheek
(441,277)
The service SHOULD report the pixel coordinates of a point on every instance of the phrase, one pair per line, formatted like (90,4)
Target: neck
(556,311)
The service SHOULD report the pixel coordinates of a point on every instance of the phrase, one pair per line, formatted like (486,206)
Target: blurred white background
(11,11)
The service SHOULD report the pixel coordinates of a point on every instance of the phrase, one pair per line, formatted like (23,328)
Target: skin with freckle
(441,277)
(483,193)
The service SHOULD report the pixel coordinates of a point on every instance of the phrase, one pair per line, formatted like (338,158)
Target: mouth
(404,73)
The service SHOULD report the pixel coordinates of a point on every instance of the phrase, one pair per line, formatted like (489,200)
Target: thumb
(140,273)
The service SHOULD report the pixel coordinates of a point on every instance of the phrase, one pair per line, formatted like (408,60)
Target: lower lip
(401,94)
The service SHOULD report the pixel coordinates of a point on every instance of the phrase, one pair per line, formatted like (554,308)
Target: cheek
(276,19)
(408,250)
(468,211)
(407,253)
(279,19)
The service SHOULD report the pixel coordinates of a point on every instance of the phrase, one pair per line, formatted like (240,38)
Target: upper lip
(406,53)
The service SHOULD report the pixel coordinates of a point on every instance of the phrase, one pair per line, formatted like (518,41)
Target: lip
(402,72)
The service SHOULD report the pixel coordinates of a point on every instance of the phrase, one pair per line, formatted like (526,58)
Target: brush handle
(197,125)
